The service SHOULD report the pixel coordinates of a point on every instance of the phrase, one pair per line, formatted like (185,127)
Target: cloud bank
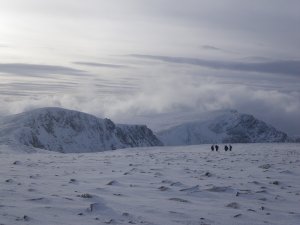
(37,70)
(100,65)
(169,96)
(281,67)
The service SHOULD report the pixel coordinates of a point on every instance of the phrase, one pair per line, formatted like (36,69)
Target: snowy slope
(64,130)
(254,184)
(229,127)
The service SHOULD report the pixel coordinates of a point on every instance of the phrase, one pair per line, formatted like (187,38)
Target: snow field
(253,184)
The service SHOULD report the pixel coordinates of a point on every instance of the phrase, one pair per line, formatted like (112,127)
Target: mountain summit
(63,130)
(227,127)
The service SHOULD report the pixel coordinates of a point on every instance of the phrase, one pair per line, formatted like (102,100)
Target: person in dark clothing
(217,147)
(226,148)
(230,147)
(212,148)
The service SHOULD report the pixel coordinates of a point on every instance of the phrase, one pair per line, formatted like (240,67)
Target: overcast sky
(127,59)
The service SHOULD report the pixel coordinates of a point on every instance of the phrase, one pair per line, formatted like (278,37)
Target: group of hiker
(216,147)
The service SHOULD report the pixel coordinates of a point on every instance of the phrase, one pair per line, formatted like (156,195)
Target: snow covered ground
(253,184)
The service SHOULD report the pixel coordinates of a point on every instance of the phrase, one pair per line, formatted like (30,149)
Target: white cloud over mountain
(193,56)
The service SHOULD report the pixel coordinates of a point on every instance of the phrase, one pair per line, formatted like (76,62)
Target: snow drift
(63,130)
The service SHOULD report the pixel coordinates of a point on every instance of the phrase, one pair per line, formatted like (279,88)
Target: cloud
(174,95)
(183,95)
(210,47)
(287,67)
(38,70)
(34,88)
(91,29)
(100,65)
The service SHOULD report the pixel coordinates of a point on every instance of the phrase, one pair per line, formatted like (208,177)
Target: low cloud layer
(93,64)
(159,97)
(145,98)
(281,67)
(210,47)
(37,70)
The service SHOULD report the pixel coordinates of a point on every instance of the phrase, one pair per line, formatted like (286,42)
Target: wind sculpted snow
(254,184)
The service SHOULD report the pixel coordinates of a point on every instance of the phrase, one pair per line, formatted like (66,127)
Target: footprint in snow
(113,182)
(176,184)
(219,189)
(163,188)
(40,200)
(178,213)
(17,163)
(237,215)
(207,174)
(73,181)
(179,200)
(265,166)
(31,190)
(191,189)
(86,195)
(233,205)
(158,174)
(286,172)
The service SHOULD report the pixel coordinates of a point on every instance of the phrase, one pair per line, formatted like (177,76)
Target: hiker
(226,148)
(217,147)
(230,147)
(212,148)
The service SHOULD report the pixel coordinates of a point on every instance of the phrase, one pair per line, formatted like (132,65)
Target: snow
(222,127)
(63,130)
(254,184)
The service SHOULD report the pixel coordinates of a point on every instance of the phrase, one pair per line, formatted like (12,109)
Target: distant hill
(227,127)
(295,139)
(63,130)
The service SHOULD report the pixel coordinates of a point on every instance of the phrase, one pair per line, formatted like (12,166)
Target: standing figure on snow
(226,148)
(212,148)
(217,147)
(230,147)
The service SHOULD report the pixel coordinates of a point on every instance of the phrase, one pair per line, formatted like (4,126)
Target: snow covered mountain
(63,130)
(228,127)
(295,139)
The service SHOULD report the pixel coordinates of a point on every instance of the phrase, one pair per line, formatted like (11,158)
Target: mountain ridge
(67,131)
(229,127)
(64,130)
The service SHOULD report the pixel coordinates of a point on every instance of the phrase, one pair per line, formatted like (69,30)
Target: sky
(140,60)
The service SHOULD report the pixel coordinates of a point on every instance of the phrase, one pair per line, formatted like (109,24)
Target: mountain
(63,130)
(295,139)
(228,127)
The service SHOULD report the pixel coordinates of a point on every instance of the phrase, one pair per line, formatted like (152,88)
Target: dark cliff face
(137,135)
(64,130)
